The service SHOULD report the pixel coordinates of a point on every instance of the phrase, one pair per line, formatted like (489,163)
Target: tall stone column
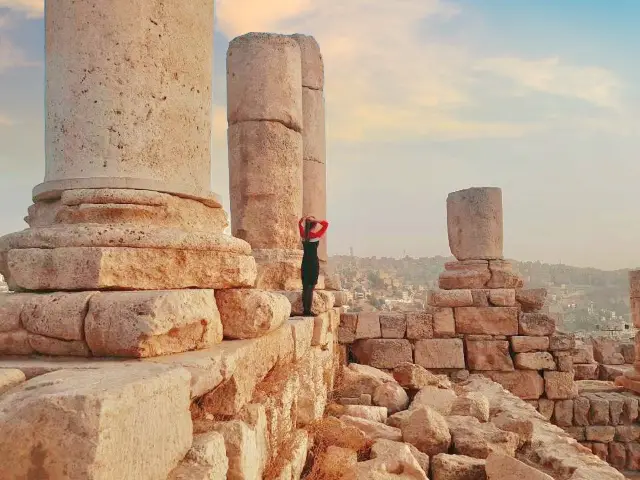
(126,202)
(631,380)
(265,116)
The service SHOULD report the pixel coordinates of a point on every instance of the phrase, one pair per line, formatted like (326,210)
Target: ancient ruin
(140,342)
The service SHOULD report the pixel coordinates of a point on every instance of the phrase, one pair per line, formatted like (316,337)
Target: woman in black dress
(311,231)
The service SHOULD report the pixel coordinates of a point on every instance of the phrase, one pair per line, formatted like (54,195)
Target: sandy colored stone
(146,324)
(531,299)
(77,268)
(419,325)
(628,351)
(382,353)
(474,223)
(479,440)
(586,371)
(127,422)
(414,377)
(59,315)
(450,298)
(333,431)
(464,279)
(546,407)
(562,342)
(55,347)
(9,378)
(581,407)
(634,283)
(279,269)
(314,371)
(347,327)
(368,412)
(361,379)
(471,404)
(368,325)
(518,424)
(600,433)
(444,324)
(537,324)
(563,413)
(250,313)
(393,325)
(15,342)
(457,467)
(206,460)
(11,306)
(264,72)
(245,451)
(427,430)
(335,461)
(388,449)
(489,355)
(503,467)
(487,320)
(440,353)
(386,463)
(121,120)
(527,385)
(391,396)
(525,344)
(560,385)
(373,430)
(535,361)
(480,297)
(439,399)
(503,276)
(502,297)
(607,351)
(322,301)
(265,180)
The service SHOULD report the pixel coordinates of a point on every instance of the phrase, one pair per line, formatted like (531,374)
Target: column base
(279,270)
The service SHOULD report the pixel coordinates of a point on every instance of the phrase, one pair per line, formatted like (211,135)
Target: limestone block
(561,342)
(601,450)
(444,325)
(581,407)
(535,361)
(527,385)
(206,460)
(427,430)
(302,329)
(560,385)
(502,297)
(121,120)
(479,440)
(457,467)
(55,347)
(503,276)
(630,409)
(440,353)
(368,412)
(312,63)
(15,342)
(360,380)
(563,413)
(250,313)
(9,378)
(265,175)
(450,298)
(322,302)
(516,423)
(373,430)
(333,431)
(414,377)
(246,458)
(628,351)
(583,353)
(531,299)
(321,326)
(471,404)
(577,433)
(634,307)
(11,306)
(314,168)
(487,320)
(627,433)
(147,324)
(393,325)
(599,409)
(335,461)
(368,325)
(278,269)
(546,408)
(388,449)
(474,223)
(312,396)
(599,433)
(127,422)
(480,297)
(525,344)
(633,456)
(537,324)
(503,467)
(617,455)
(347,328)
(382,353)
(93,268)
(439,399)
(264,72)
(391,396)
(607,351)
(59,315)
(489,355)
(586,371)
(419,325)
(464,279)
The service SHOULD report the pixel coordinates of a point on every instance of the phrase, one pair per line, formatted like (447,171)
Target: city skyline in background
(423,97)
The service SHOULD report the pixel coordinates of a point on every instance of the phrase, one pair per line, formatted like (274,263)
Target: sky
(423,97)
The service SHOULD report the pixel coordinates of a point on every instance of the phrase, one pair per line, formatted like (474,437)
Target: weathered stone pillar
(631,380)
(126,202)
(265,116)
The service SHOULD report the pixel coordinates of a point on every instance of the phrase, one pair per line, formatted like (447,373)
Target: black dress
(310,264)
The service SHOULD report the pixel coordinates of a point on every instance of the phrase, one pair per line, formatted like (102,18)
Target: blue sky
(424,97)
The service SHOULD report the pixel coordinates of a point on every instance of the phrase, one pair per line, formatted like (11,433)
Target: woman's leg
(307,300)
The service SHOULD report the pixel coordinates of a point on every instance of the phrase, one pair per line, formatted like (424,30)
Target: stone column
(126,201)
(265,116)
(631,380)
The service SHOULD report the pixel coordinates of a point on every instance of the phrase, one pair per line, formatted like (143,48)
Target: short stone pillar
(474,223)
(631,380)
(126,201)
(265,116)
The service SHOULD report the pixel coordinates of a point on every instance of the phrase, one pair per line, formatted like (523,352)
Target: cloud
(6,121)
(12,57)
(32,8)
(595,85)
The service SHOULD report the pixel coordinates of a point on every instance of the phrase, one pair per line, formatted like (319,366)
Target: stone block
(147,324)
(368,326)
(58,348)
(531,299)
(599,433)
(527,385)
(373,430)
(577,433)
(583,353)
(480,297)
(383,353)
(440,353)
(464,279)
(599,410)
(209,453)
(607,351)
(564,361)
(479,440)
(628,351)
(487,320)
(503,467)
(617,455)
(450,298)
(563,413)
(321,326)
(59,315)
(630,409)
(502,297)
(322,302)
(348,327)
(419,325)
(561,342)
(101,268)
(588,371)
(535,361)
(525,344)
(278,269)
(489,355)
(601,450)
(444,324)
(15,343)
(560,385)
(9,378)
(11,306)
(106,412)
(427,430)
(391,396)
(503,276)
(474,223)
(581,408)
(414,377)
(546,408)
(457,467)
(302,330)
(393,325)
(472,404)
(633,456)
(250,313)
(537,324)
(616,406)
(627,433)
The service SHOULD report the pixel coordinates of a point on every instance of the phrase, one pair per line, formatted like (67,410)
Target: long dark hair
(308,225)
